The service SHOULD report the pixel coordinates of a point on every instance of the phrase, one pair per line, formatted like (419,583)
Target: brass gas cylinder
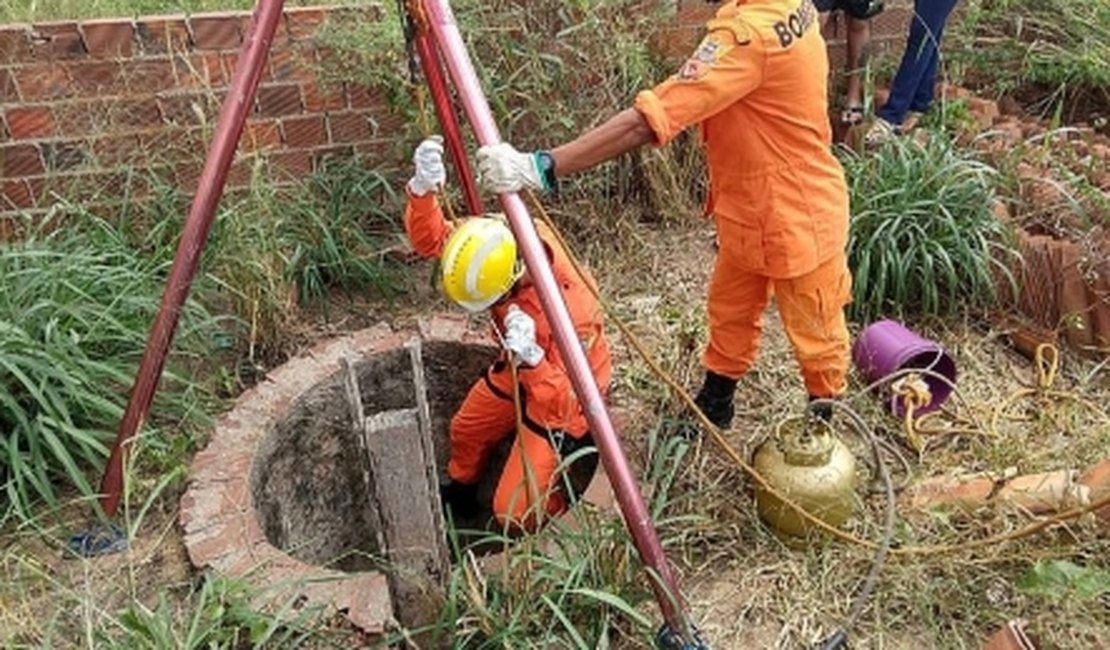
(808,464)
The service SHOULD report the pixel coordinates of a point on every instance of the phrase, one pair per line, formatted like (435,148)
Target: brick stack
(82,103)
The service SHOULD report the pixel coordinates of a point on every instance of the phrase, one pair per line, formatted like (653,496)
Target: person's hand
(520,337)
(428,161)
(501,168)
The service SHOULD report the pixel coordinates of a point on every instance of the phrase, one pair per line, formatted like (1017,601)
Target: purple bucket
(885,347)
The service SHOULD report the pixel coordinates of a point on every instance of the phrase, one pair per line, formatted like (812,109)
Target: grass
(16,11)
(273,253)
(77,305)
(923,239)
(1059,49)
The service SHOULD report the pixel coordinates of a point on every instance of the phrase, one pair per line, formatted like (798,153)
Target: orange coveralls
(550,408)
(757,85)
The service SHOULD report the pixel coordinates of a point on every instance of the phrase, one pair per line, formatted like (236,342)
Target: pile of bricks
(82,103)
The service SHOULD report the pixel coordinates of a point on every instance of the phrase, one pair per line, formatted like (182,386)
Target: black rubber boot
(822,411)
(715,399)
(460,498)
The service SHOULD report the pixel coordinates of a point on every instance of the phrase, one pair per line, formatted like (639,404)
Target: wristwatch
(545,162)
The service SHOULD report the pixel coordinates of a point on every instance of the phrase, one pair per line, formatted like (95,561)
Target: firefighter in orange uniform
(757,87)
(480,269)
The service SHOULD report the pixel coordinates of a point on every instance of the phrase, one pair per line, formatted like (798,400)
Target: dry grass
(748,590)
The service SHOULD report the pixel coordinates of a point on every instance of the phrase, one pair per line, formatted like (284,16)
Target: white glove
(430,172)
(520,337)
(502,168)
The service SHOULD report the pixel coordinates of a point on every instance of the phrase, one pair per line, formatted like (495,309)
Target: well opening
(307,478)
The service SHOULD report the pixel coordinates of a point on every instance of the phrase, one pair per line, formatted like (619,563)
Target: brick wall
(81,103)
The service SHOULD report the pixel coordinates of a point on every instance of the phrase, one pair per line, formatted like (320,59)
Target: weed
(75,314)
(923,239)
(1059,46)
(577,585)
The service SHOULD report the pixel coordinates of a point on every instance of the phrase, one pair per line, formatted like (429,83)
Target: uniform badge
(705,57)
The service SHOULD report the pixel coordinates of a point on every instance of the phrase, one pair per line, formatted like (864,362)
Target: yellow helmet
(479,263)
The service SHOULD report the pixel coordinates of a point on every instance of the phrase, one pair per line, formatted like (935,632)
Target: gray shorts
(859,9)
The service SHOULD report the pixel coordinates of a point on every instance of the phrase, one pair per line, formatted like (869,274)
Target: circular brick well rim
(218,512)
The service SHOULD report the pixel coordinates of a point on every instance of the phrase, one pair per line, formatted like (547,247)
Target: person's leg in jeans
(923,98)
(913,83)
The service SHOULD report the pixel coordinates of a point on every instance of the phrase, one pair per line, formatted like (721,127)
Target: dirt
(744,588)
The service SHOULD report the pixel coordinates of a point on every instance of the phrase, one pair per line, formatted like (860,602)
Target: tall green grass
(923,239)
(76,306)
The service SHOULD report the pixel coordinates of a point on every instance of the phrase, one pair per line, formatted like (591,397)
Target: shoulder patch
(709,52)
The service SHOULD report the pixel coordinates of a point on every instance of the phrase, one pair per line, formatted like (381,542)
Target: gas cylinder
(809,465)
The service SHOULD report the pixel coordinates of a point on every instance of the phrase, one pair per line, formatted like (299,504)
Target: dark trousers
(912,89)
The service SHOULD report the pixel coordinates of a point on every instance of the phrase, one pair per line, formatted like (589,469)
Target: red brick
(230,60)
(365,97)
(320,157)
(60,40)
(275,100)
(89,186)
(90,117)
(42,82)
(318,99)
(162,34)
(15,44)
(356,15)
(292,64)
(303,22)
(20,160)
(149,75)
(296,164)
(186,176)
(29,121)
(15,195)
(109,38)
(175,144)
(261,134)
(92,78)
(199,71)
(62,156)
(8,93)
(215,31)
(185,108)
(348,127)
(303,132)
(114,150)
(239,175)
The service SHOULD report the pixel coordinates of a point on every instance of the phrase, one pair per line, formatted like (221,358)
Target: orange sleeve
(552,401)
(424,224)
(727,65)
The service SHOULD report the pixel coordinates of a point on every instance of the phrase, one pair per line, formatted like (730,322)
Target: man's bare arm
(620,134)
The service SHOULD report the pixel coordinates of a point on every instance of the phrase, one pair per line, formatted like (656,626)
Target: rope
(718,438)
(915,394)
(1047,360)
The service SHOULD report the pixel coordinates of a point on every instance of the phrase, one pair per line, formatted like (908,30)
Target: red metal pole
(233,114)
(627,492)
(433,74)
